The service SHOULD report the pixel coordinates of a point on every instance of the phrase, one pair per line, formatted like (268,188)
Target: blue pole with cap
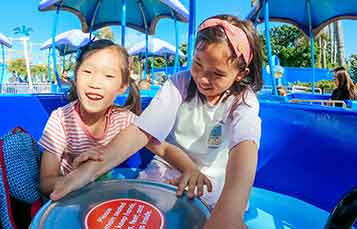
(268,44)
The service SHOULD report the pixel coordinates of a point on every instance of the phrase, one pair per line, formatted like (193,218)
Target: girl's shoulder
(117,113)
(181,81)
(247,102)
(65,110)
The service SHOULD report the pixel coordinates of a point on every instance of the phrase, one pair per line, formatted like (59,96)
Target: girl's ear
(241,75)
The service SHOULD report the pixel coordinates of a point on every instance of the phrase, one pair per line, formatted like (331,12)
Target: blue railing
(292,74)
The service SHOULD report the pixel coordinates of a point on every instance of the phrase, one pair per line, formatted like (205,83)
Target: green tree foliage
(18,66)
(39,72)
(70,62)
(183,48)
(352,62)
(290,45)
(159,62)
(105,33)
(325,85)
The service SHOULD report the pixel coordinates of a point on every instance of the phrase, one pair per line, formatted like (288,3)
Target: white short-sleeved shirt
(205,132)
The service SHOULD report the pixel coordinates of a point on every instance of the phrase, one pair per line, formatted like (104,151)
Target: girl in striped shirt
(91,120)
(74,133)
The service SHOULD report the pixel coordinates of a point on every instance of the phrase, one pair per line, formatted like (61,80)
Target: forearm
(239,179)
(125,144)
(47,184)
(174,155)
(178,158)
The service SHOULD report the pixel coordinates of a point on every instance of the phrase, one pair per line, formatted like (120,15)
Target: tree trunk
(320,48)
(340,43)
(324,47)
(27,61)
(331,38)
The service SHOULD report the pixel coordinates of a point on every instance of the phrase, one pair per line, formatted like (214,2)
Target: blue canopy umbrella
(141,15)
(97,14)
(310,16)
(156,47)
(4,41)
(66,43)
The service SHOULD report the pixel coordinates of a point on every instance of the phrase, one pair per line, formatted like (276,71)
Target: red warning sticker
(124,213)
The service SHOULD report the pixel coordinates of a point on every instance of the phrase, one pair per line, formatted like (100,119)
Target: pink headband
(235,35)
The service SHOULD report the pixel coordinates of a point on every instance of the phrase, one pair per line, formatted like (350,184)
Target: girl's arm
(173,155)
(49,173)
(50,168)
(191,175)
(229,210)
(120,148)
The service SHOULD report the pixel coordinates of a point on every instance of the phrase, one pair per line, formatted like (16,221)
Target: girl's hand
(194,180)
(95,155)
(71,182)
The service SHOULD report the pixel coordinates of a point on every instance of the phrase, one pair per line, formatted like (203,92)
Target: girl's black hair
(133,101)
(216,34)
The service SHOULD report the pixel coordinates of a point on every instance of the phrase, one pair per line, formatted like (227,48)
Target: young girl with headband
(210,113)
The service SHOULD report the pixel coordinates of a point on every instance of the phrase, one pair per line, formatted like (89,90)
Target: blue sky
(14,14)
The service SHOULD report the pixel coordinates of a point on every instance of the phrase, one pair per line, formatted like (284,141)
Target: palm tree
(332,43)
(323,40)
(25,32)
(340,43)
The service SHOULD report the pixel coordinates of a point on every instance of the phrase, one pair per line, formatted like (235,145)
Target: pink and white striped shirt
(66,136)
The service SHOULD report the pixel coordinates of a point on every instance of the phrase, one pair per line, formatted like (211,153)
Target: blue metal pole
(94,15)
(49,66)
(191,32)
(268,44)
(123,23)
(152,68)
(146,36)
(141,72)
(63,63)
(54,48)
(177,46)
(3,65)
(146,53)
(166,64)
(312,45)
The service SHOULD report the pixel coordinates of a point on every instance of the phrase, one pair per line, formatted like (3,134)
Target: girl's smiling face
(99,80)
(213,71)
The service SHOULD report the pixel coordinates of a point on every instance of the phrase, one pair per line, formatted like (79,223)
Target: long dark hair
(217,35)
(133,101)
(345,82)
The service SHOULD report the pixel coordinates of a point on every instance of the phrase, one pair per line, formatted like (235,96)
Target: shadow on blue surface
(276,211)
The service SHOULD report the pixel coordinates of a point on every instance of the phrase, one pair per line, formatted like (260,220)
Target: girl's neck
(90,118)
(95,123)
(214,100)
